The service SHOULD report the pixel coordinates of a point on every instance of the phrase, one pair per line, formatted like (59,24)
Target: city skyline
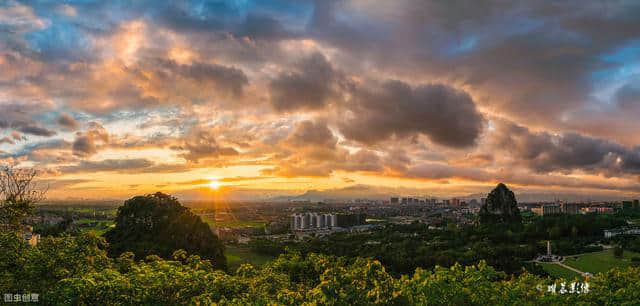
(260,99)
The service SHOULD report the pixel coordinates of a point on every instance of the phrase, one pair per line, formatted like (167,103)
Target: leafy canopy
(157,224)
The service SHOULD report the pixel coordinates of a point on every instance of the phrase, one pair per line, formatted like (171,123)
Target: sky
(256,99)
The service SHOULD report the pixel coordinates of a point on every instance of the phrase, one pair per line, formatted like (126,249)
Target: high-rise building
(320,221)
(547,209)
(394,200)
(313,220)
(570,208)
(327,221)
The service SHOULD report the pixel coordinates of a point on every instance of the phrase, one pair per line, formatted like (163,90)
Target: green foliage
(75,270)
(27,269)
(505,246)
(58,229)
(157,224)
(500,206)
(12,211)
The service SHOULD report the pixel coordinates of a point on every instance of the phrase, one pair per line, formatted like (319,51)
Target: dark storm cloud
(108,165)
(438,171)
(312,133)
(444,114)
(29,148)
(263,27)
(202,144)
(67,121)
(309,86)
(32,129)
(539,63)
(631,161)
(544,152)
(534,60)
(627,97)
(259,20)
(20,118)
(85,144)
(228,79)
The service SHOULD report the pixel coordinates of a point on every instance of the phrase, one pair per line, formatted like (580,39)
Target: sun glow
(214,185)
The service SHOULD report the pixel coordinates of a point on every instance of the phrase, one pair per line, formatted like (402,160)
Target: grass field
(101,227)
(600,261)
(558,271)
(237,255)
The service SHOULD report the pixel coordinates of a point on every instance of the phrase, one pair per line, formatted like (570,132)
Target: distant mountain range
(374,193)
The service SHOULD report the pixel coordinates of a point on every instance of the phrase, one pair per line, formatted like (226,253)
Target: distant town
(240,221)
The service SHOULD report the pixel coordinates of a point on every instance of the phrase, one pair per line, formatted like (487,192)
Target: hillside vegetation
(77,270)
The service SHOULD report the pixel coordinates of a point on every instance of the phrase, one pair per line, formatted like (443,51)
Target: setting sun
(214,185)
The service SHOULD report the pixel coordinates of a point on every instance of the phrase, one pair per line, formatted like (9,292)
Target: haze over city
(261,99)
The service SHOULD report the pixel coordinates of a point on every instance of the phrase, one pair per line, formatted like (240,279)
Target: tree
(158,224)
(500,207)
(19,193)
(618,251)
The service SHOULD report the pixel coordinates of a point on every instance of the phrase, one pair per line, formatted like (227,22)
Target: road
(571,268)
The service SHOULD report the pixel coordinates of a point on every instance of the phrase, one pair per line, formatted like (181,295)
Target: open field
(558,271)
(600,261)
(100,228)
(237,255)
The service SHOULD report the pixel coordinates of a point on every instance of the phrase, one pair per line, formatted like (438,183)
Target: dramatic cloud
(309,87)
(85,143)
(67,121)
(447,116)
(544,152)
(35,130)
(309,133)
(229,80)
(108,165)
(628,97)
(448,96)
(20,118)
(202,144)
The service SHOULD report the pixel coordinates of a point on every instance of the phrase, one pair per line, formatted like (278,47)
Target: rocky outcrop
(500,206)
